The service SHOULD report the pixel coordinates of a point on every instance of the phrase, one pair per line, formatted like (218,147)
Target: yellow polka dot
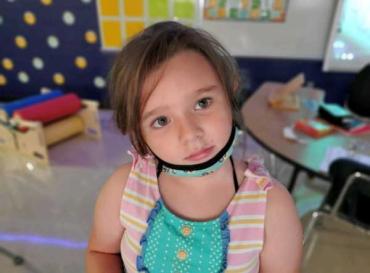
(29,18)
(81,62)
(46,2)
(186,231)
(58,78)
(182,255)
(90,37)
(2,80)
(7,64)
(20,41)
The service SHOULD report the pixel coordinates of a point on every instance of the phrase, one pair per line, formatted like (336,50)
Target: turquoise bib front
(172,244)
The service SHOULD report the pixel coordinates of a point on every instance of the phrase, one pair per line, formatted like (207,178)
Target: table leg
(293,179)
(17,260)
(273,164)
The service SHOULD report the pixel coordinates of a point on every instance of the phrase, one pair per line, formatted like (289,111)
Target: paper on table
(289,133)
(339,152)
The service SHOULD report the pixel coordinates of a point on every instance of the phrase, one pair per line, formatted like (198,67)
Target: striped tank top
(245,217)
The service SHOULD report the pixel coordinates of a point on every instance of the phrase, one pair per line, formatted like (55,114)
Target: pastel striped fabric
(246,213)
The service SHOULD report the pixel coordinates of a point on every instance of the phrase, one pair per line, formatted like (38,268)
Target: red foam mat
(50,110)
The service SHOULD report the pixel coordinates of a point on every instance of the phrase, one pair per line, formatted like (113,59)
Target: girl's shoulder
(283,232)
(122,172)
(116,183)
(107,229)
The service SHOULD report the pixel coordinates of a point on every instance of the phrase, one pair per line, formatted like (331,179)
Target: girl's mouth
(202,154)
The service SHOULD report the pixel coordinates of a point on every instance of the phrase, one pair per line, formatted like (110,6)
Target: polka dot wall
(47,44)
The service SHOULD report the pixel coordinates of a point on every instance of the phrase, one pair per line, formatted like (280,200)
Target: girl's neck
(224,173)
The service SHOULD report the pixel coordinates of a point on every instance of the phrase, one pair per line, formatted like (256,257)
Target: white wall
(303,35)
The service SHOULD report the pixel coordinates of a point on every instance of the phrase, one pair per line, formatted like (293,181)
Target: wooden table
(265,125)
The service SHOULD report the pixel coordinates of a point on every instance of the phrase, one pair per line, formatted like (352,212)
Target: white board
(348,48)
(302,36)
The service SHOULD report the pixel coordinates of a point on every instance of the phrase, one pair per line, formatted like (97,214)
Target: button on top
(182,255)
(186,231)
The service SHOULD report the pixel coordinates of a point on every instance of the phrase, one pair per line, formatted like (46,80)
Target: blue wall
(257,70)
(72,44)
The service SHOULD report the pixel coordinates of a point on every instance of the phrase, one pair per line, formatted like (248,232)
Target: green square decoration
(184,9)
(158,8)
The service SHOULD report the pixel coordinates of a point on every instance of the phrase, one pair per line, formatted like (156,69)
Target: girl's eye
(203,103)
(160,122)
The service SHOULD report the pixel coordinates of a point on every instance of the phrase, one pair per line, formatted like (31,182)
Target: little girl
(184,204)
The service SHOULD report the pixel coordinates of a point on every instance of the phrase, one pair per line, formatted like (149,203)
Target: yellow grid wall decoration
(119,20)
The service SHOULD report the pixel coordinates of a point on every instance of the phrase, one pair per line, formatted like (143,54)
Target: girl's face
(187,117)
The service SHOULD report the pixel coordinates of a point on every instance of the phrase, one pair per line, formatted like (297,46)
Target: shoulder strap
(235,179)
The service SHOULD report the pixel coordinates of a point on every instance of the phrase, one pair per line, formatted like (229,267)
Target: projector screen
(348,48)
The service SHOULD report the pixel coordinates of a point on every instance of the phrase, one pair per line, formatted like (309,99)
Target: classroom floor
(46,211)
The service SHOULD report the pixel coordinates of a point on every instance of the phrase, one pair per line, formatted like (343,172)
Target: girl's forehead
(150,83)
(186,69)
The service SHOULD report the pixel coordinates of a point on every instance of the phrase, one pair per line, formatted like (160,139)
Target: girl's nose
(189,130)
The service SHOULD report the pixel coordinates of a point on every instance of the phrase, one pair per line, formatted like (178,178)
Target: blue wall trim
(255,71)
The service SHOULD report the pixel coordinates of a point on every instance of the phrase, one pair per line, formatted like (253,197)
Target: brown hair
(146,52)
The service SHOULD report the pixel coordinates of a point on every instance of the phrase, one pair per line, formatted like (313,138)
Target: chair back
(359,93)
(337,244)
